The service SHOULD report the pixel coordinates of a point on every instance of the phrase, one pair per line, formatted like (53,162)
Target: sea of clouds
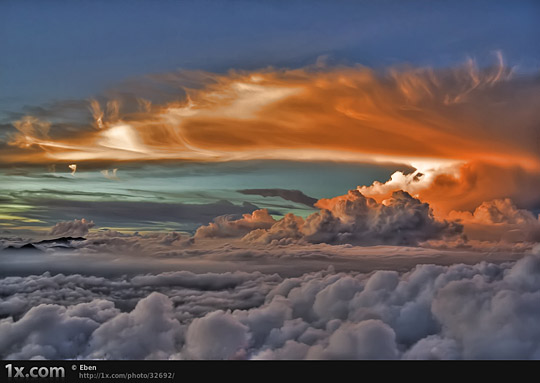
(479,311)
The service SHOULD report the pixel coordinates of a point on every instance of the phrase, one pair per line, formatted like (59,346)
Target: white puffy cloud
(291,350)
(12,305)
(480,311)
(46,331)
(150,331)
(369,339)
(434,347)
(218,335)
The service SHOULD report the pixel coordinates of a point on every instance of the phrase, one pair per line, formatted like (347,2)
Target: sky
(109,42)
(274,177)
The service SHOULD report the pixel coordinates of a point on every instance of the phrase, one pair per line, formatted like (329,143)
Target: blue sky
(56,50)
(34,194)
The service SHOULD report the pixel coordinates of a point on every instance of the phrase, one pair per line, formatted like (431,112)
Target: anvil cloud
(470,132)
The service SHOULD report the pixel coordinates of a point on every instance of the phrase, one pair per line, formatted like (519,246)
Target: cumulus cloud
(285,231)
(150,331)
(75,228)
(47,331)
(499,211)
(369,339)
(224,226)
(499,220)
(356,219)
(217,335)
(482,311)
(462,185)
(193,294)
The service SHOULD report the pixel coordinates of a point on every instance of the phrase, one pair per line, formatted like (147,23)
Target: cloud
(217,335)
(114,242)
(30,128)
(400,220)
(188,280)
(74,304)
(471,132)
(481,311)
(47,331)
(285,231)
(347,113)
(75,228)
(473,175)
(187,216)
(462,186)
(110,175)
(369,339)
(150,331)
(499,221)
(500,211)
(12,305)
(289,195)
(355,219)
(434,347)
(224,226)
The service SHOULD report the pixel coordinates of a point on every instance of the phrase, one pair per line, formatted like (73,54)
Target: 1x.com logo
(35,372)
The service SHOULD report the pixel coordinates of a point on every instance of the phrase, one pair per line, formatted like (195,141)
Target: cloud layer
(472,132)
(275,110)
(483,311)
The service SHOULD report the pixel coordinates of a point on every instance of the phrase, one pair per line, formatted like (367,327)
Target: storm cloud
(349,219)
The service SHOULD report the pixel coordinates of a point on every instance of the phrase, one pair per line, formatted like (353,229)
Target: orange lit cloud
(454,125)
(463,186)
(499,220)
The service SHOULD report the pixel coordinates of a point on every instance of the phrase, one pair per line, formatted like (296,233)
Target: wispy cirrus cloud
(457,126)
(403,112)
